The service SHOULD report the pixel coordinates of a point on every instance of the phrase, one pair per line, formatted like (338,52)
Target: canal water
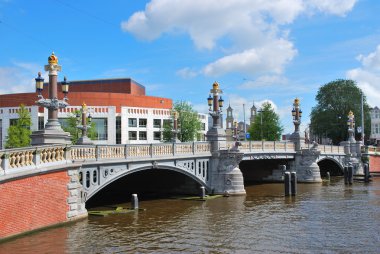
(323,218)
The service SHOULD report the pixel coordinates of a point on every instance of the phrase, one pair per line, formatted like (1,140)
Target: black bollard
(293,181)
(345,173)
(287,183)
(203,192)
(366,172)
(328,176)
(350,174)
(135,202)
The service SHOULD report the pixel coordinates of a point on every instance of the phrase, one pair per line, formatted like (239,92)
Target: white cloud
(254,28)
(18,78)
(336,7)
(264,81)
(368,76)
(270,58)
(187,73)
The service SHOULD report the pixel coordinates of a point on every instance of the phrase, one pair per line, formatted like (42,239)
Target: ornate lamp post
(82,117)
(175,115)
(296,114)
(53,133)
(215,104)
(351,126)
(216,134)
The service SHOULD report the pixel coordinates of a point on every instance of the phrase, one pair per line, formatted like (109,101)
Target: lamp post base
(84,140)
(50,137)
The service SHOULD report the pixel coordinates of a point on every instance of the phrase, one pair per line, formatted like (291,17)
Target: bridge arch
(330,164)
(95,179)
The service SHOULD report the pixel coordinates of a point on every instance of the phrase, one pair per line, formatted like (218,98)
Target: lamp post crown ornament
(296,102)
(53,59)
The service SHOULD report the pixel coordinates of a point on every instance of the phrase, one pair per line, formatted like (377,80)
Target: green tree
(266,125)
(19,132)
(70,125)
(188,123)
(334,101)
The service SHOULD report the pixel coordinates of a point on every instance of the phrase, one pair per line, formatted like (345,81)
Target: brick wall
(32,203)
(374,163)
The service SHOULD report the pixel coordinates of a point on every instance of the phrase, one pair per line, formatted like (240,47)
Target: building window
(41,123)
(142,135)
(101,127)
(157,123)
(1,134)
(132,122)
(376,128)
(132,135)
(142,122)
(118,130)
(203,127)
(167,122)
(13,122)
(157,135)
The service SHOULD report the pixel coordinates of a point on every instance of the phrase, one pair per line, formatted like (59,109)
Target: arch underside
(332,165)
(96,178)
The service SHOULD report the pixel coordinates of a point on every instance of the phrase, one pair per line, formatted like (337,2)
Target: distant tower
(253,113)
(229,118)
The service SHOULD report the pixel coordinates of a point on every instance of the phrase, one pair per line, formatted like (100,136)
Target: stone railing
(105,152)
(256,146)
(23,159)
(330,149)
(373,150)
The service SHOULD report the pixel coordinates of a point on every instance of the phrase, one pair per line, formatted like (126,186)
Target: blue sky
(257,50)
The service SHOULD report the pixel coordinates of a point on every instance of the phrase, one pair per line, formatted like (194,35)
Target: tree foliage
(19,133)
(266,125)
(70,125)
(189,124)
(335,100)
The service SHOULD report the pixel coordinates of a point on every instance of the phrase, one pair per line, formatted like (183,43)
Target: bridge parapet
(139,151)
(252,146)
(14,161)
(326,149)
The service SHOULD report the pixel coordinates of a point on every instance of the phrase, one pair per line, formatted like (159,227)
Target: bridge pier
(306,166)
(226,176)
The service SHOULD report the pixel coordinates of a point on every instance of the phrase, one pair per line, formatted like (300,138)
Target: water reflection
(322,218)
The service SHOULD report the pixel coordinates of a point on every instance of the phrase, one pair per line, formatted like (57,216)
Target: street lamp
(52,133)
(261,122)
(351,126)
(175,116)
(82,118)
(297,114)
(215,104)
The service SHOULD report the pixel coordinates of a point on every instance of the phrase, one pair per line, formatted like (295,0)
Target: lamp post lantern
(216,132)
(175,116)
(351,126)
(82,118)
(215,104)
(52,133)
(297,114)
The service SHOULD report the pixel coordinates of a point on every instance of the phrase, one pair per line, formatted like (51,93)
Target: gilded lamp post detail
(216,134)
(296,114)
(52,133)
(175,116)
(82,118)
(351,126)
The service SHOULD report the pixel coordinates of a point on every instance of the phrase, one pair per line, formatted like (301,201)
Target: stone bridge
(100,165)
(59,179)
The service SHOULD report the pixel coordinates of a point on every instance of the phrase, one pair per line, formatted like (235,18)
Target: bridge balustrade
(23,159)
(253,146)
(108,152)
